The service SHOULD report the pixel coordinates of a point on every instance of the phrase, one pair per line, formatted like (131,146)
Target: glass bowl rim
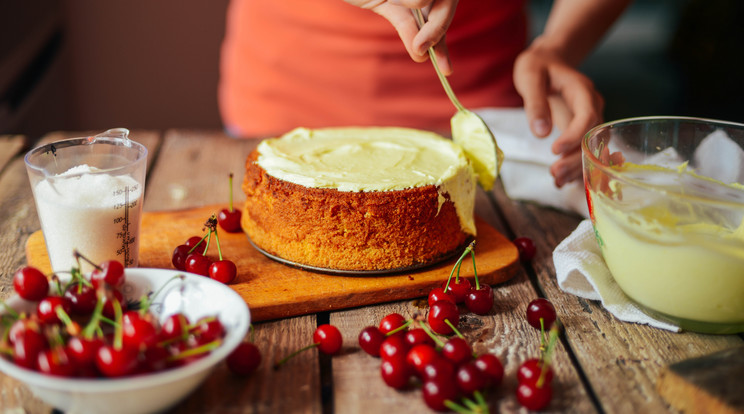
(587,155)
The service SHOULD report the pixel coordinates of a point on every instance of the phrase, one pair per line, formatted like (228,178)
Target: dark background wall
(92,65)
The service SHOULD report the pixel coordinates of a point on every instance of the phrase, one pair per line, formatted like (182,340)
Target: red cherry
(370,339)
(394,347)
(491,367)
(113,362)
(530,371)
(328,338)
(178,258)
(438,294)
(46,309)
(244,359)
(82,299)
(438,368)
(175,326)
(196,241)
(138,332)
(208,329)
(458,289)
(391,322)
(30,283)
(437,392)
(470,379)
(526,248)
(395,372)
(56,362)
(83,351)
(111,272)
(541,308)
(198,264)
(457,350)
(480,301)
(223,271)
(421,355)
(154,358)
(229,220)
(439,313)
(534,398)
(27,346)
(418,336)
(108,308)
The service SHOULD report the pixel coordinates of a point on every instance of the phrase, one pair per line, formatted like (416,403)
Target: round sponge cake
(359,199)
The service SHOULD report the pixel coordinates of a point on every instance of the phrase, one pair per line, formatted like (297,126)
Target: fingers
(567,169)
(532,83)
(431,34)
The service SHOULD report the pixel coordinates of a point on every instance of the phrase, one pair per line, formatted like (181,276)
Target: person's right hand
(417,41)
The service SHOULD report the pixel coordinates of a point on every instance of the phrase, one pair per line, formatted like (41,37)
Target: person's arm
(553,90)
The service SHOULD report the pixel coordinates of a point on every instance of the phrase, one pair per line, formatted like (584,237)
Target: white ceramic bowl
(196,296)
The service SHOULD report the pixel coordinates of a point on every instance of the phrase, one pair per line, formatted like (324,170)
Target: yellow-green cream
(672,257)
(373,159)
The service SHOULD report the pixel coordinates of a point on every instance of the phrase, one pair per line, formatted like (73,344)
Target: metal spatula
(469,131)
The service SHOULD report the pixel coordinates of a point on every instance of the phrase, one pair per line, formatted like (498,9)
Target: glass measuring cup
(89,193)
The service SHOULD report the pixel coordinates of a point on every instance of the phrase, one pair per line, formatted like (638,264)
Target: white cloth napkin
(579,265)
(525,171)
(581,270)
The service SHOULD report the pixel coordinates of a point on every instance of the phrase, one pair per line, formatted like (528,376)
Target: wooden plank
(294,388)
(191,171)
(707,384)
(503,332)
(10,145)
(18,220)
(620,360)
(274,290)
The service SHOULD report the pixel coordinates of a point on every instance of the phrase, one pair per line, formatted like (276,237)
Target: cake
(359,199)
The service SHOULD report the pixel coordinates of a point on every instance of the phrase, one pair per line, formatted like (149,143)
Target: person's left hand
(417,42)
(555,93)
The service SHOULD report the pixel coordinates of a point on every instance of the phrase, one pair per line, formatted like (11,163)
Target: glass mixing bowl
(666,198)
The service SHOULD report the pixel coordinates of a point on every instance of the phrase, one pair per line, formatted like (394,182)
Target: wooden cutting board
(707,384)
(274,290)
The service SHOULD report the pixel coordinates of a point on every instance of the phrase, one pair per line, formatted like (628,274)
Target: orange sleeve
(293,63)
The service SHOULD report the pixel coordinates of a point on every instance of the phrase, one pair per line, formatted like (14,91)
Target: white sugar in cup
(89,193)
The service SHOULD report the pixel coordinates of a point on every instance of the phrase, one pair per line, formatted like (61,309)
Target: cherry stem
(71,326)
(79,256)
(293,354)
(211,224)
(400,328)
(475,272)
(118,331)
(457,332)
(199,350)
(191,250)
(217,239)
(547,355)
(10,310)
(92,327)
(428,331)
(457,265)
(230,180)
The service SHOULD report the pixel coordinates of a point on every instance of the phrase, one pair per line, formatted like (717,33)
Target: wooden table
(601,364)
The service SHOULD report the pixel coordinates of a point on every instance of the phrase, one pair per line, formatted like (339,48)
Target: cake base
(376,272)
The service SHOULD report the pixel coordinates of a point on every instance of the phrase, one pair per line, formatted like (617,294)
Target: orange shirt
(319,63)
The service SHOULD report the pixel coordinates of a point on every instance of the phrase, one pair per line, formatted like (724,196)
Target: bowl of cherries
(117,340)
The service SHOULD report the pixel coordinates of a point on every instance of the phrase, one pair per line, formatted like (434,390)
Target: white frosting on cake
(373,159)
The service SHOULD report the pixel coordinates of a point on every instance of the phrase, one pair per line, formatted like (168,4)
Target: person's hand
(417,42)
(555,93)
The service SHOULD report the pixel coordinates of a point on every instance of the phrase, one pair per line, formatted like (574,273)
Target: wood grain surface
(602,365)
(275,290)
